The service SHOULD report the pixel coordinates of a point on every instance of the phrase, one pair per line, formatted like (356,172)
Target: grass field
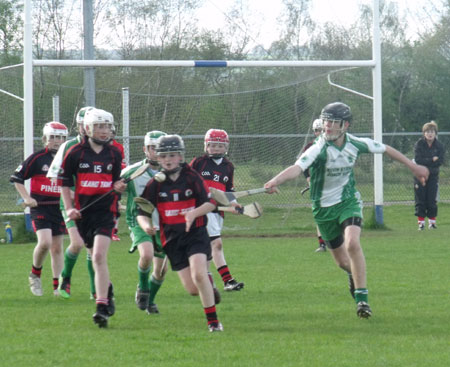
(295,309)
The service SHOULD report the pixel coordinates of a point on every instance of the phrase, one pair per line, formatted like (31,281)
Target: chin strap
(216,156)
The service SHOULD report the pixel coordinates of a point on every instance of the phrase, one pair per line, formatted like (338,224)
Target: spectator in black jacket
(429,152)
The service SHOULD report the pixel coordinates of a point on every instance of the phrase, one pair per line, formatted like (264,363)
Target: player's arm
(288,174)
(146,224)
(27,199)
(71,211)
(421,172)
(203,209)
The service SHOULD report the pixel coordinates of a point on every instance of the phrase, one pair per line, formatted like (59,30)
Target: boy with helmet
(317,127)
(43,200)
(336,204)
(94,166)
(182,201)
(149,246)
(217,171)
(76,242)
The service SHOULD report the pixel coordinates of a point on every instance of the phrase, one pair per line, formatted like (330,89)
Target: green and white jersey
(331,168)
(134,189)
(55,167)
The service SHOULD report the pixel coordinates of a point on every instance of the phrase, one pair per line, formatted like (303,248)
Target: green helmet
(152,136)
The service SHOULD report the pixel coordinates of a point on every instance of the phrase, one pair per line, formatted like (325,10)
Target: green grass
(295,309)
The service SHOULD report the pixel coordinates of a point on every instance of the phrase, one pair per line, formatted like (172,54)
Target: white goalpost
(374,64)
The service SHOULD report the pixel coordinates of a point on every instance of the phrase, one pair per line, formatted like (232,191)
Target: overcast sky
(338,11)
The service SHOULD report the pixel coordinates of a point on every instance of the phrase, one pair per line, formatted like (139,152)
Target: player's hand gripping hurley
(253,210)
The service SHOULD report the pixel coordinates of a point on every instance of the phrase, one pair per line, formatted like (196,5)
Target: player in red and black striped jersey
(182,201)
(43,200)
(94,166)
(217,171)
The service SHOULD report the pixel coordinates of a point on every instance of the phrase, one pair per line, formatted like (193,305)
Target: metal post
(55,103)
(27,95)
(88,52)
(126,123)
(377,113)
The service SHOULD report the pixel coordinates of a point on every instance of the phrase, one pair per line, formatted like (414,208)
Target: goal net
(267,112)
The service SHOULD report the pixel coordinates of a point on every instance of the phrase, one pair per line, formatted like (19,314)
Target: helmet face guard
(216,136)
(333,114)
(170,144)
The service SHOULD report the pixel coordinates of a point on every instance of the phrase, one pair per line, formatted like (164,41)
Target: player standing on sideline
(336,205)
(182,201)
(76,242)
(119,146)
(217,171)
(94,166)
(43,199)
(149,247)
(317,130)
(429,152)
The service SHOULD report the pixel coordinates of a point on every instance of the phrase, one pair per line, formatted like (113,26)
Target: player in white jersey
(149,247)
(336,204)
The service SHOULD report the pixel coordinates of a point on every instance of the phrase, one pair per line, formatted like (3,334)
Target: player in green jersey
(149,247)
(336,204)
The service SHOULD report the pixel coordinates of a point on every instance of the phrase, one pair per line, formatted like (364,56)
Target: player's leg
(91,272)
(57,259)
(144,267)
(44,237)
(102,281)
(358,265)
(156,280)
(199,274)
(420,203)
(341,258)
(432,187)
(70,258)
(214,228)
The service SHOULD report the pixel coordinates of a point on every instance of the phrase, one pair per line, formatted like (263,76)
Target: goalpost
(374,64)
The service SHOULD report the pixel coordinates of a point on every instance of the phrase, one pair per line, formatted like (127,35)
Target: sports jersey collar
(340,148)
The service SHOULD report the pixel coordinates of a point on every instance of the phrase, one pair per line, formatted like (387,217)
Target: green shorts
(330,219)
(138,236)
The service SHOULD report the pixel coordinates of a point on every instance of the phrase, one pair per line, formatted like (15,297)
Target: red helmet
(216,136)
(54,128)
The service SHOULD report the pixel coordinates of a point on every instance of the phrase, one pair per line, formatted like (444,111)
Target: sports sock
(361,294)
(70,260)
(211,315)
(225,273)
(321,241)
(421,220)
(36,271)
(143,278)
(91,273)
(154,286)
(55,283)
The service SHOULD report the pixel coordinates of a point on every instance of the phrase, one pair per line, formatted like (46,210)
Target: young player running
(149,247)
(336,204)
(182,201)
(94,166)
(43,200)
(76,242)
(217,171)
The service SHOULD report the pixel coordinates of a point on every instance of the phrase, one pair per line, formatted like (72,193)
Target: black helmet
(170,144)
(336,111)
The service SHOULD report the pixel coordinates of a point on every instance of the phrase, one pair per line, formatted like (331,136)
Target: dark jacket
(423,154)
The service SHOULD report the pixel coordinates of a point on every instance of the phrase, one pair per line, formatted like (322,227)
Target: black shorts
(48,218)
(178,250)
(93,224)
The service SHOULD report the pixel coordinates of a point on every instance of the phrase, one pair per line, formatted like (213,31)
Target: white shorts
(215,224)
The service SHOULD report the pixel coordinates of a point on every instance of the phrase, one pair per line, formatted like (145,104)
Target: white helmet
(81,113)
(317,124)
(54,128)
(152,136)
(97,116)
